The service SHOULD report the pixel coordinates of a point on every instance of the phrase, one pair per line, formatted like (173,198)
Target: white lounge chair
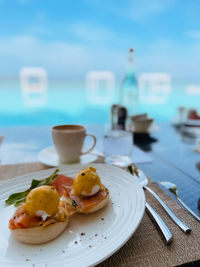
(193,89)
(33,86)
(154,88)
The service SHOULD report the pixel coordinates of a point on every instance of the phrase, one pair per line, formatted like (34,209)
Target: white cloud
(82,31)
(91,33)
(142,10)
(168,56)
(72,60)
(58,57)
(194,34)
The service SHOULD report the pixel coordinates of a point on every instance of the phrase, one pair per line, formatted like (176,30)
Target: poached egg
(87,182)
(42,201)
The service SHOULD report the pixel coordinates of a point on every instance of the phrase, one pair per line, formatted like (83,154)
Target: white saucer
(48,156)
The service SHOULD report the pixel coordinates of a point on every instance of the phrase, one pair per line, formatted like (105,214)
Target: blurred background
(68,61)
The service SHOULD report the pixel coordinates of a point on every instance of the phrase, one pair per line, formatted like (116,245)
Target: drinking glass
(118,146)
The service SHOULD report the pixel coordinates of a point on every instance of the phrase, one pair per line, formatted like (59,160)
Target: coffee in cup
(68,141)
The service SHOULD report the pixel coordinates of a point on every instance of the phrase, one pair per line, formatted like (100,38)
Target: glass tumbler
(118,145)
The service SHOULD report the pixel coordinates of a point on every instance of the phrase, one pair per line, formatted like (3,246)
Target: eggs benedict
(41,218)
(45,208)
(87,192)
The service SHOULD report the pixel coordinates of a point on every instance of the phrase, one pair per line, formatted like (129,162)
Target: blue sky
(71,37)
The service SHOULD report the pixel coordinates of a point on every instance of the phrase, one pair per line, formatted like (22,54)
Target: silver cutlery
(164,230)
(160,224)
(144,181)
(180,224)
(174,190)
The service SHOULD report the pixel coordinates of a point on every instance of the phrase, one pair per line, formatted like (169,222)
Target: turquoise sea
(68,102)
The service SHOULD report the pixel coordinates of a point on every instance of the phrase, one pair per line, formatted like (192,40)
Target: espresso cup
(68,141)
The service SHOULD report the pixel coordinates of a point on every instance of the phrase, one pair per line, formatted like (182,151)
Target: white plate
(105,231)
(48,156)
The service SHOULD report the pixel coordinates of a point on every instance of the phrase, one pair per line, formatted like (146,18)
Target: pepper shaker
(118,117)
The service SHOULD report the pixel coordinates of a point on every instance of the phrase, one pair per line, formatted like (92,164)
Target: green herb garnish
(130,169)
(74,203)
(18,198)
(133,170)
(173,190)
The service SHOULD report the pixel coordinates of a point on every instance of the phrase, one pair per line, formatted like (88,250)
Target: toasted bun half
(39,234)
(100,205)
(97,207)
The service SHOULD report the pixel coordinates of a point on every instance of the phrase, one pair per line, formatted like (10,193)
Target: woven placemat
(146,247)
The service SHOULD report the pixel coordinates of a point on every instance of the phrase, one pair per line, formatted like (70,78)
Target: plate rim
(63,168)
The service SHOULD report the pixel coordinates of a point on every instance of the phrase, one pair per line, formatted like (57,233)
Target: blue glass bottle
(129,87)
